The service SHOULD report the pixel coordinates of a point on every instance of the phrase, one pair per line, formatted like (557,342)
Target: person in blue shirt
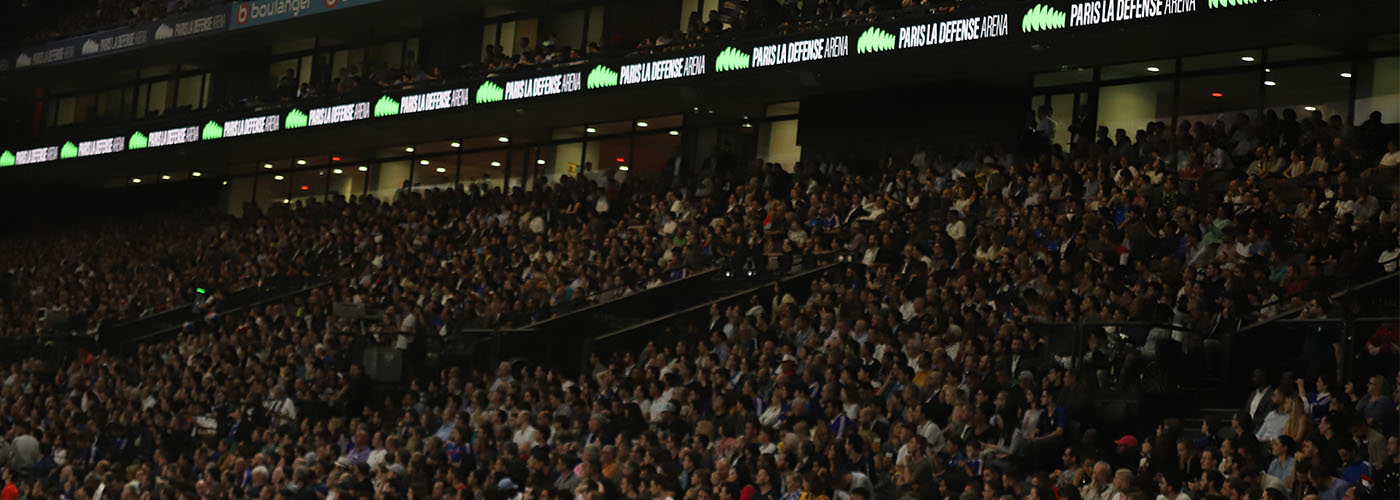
(1281,466)
(1355,471)
(1328,487)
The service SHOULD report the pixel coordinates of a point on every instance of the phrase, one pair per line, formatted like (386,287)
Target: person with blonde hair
(1298,425)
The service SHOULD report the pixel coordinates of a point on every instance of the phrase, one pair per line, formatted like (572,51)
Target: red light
(335,158)
(621,159)
(1216,94)
(306,188)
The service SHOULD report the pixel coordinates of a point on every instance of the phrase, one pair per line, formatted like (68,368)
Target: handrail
(706,305)
(596,304)
(1335,295)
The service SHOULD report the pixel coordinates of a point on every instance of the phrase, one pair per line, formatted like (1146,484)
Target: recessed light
(135,180)
(1247,58)
(1346,75)
(267,165)
(165,177)
(1153,69)
(495,164)
(408,149)
(539,161)
(337,171)
(364,168)
(442,170)
(642,124)
(675,132)
(622,168)
(301,162)
(590,130)
(286,201)
(195,174)
(423,162)
(1310,108)
(503,139)
(225,183)
(1267,70)
(277,177)
(1270,83)
(456,144)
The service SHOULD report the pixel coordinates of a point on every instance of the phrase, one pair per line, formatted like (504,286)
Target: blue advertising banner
(255,12)
(118,40)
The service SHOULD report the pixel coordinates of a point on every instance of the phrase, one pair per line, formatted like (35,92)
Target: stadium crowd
(914,375)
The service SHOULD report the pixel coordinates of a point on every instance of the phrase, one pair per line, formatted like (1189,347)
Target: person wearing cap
(1281,466)
(1126,455)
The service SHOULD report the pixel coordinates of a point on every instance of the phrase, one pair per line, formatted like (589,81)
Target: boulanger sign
(255,12)
(1026,19)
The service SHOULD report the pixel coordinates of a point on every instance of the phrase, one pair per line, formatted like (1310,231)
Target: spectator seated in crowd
(916,372)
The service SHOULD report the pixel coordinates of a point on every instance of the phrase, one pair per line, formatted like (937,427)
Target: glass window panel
(439,173)
(159,96)
(1130,107)
(1295,52)
(188,92)
(1378,89)
(783,108)
(1320,87)
(1062,113)
(389,177)
(777,143)
(1238,94)
(653,152)
(1138,69)
(1235,59)
(1066,77)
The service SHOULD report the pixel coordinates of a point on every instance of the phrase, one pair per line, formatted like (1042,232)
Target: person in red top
(1378,356)
(11,491)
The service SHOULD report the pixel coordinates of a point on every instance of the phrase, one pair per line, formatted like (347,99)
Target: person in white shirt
(1169,484)
(1392,155)
(1272,427)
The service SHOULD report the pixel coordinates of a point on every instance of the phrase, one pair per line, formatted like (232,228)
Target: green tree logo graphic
(489,92)
(875,40)
(69,150)
(386,106)
(137,141)
(212,131)
(601,76)
(1042,18)
(296,118)
(731,59)
(7,159)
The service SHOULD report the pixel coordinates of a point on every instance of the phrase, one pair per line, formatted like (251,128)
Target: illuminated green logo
(69,150)
(489,92)
(1042,18)
(7,159)
(601,76)
(296,118)
(137,141)
(212,131)
(1215,4)
(731,59)
(874,40)
(386,106)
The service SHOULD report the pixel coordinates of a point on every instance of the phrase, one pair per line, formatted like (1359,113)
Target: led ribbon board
(1046,15)
(172,137)
(953,31)
(543,86)
(101,146)
(36,155)
(432,101)
(1108,11)
(329,115)
(252,126)
(664,69)
(813,49)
